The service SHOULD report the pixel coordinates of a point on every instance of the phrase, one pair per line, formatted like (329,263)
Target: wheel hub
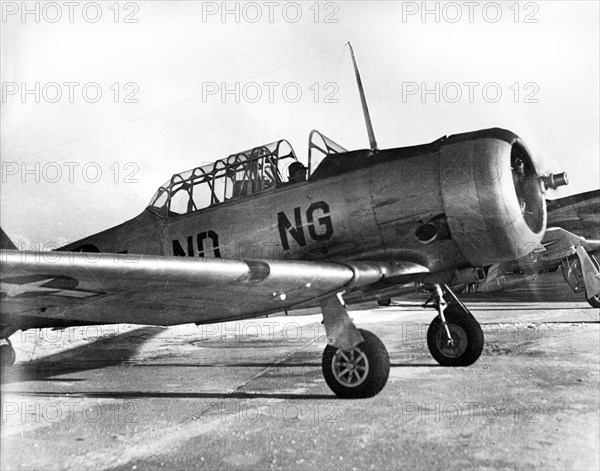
(455,346)
(350,367)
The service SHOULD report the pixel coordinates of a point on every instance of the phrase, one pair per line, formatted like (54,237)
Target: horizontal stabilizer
(5,242)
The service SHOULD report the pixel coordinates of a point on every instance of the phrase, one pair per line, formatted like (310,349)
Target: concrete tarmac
(251,395)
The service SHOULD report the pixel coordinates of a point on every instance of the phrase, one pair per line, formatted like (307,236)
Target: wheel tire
(594,301)
(369,373)
(466,333)
(7,356)
(384,301)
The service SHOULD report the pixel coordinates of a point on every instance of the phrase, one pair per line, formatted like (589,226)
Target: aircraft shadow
(263,365)
(93,355)
(44,370)
(178,395)
(203,395)
(120,349)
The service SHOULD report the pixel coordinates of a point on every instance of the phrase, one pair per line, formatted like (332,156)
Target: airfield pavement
(250,394)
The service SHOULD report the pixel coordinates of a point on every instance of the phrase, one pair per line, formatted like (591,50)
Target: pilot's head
(297,172)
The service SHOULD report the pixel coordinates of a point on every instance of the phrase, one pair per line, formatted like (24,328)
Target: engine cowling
(492,195)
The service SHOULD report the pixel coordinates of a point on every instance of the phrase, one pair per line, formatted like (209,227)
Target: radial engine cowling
(492,196)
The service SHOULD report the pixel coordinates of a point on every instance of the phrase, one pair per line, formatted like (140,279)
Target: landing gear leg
(7,354)
(355,363)
(454,337)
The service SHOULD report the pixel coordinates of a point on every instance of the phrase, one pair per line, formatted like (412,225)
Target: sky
(102,102)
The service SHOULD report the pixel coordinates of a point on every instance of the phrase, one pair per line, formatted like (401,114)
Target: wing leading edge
(54,288)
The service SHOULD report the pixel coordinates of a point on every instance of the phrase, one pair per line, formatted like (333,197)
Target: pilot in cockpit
(297,173)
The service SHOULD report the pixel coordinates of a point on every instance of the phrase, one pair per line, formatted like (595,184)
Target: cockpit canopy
(239,175)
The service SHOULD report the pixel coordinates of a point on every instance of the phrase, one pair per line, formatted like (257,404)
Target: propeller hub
(555,180)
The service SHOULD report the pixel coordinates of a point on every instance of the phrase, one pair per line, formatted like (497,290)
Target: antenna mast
(363,101)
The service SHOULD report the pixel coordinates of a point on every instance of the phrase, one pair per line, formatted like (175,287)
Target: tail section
(5,242)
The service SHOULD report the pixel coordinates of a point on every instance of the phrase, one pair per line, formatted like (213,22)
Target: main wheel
(467,338)
(357,372)
(594,301)
(7,355)
(384,301)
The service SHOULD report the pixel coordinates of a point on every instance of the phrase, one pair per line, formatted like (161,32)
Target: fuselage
(358,205)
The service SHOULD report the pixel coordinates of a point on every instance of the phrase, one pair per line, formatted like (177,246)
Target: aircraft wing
(559,243)
(579,214)
(45,289)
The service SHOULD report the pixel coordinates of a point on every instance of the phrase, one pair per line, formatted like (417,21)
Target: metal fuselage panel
(303,221)
(406,193)
(140,235)
(367,214)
